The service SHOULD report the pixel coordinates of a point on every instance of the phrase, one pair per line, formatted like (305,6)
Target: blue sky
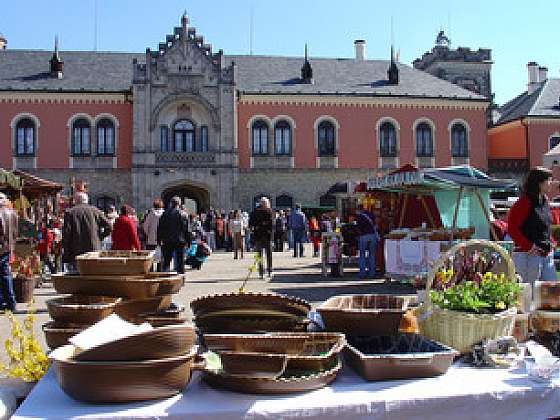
(517,32)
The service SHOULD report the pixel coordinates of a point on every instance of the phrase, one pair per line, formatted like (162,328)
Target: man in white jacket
(151,224)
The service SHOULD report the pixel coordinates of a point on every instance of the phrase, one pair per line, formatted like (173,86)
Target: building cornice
(553,119)
(20,97)
(362,101)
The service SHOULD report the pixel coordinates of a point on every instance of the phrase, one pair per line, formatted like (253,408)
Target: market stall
(436,206)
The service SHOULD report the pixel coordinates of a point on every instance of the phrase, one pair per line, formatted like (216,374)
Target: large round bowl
(164,342)
(111,382)
(81,309)
(57,334)
(262,301)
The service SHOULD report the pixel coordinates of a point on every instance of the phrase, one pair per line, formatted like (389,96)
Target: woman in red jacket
(529,221)
(125,235)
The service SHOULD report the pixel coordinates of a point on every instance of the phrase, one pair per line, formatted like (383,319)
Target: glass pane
(100,141)
(178,142)
(263,136)
(76,142)
(85,140)
(184,125)
(20,141)
(110,140)
(190,141)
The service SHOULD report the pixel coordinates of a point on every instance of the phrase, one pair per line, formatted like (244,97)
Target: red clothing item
(45,244)
(516,217)
(125,235)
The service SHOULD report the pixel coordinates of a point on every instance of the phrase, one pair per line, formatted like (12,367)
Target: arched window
(284,201)
(183,134)
(553,142)
(25,137)
(105,137)
(81,137)
(459,141)
(282,138)
(387,140)
(204,138)
(260,138)
(104,202)
(424,140)
(326,138)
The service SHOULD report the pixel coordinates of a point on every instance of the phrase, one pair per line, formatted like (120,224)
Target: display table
(462,393)
(405,257)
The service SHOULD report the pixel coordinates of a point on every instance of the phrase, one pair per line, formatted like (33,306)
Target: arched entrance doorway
(194,198)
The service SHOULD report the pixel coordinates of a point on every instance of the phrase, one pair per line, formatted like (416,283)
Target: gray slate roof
(112,71)
(543,102)
(87,71)
(270,74)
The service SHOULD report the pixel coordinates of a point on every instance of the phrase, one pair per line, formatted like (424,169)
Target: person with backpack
(8,235)
(197,254)
(367,241)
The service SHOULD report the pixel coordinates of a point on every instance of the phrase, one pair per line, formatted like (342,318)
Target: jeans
(290,239)
(179,250)
(299,237)
(534,267)
(367,242)
(211,240)
(266,247)
(8,297)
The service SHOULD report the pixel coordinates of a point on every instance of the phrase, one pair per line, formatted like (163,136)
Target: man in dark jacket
(261,222)
(298,225)
(173,234)
(84,228)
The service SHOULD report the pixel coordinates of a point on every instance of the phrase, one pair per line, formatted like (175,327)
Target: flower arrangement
(467,283)
(27,360)
(250,270)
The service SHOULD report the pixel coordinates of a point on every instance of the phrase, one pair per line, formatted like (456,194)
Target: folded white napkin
(109,329)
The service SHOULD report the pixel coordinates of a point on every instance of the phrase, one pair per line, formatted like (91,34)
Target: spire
(393,72)
(185,21)
(57,65)
(306,70)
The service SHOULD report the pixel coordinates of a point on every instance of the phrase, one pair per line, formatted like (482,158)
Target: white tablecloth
(462,393)
(406,257)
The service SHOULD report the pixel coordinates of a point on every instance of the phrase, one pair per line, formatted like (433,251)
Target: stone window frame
(336,124)
(397,128)
(194,130)
(250,122)
(450,126)
(36,125)
(556,134)
(430,123)
(116,126)
(291,123)
(70,127)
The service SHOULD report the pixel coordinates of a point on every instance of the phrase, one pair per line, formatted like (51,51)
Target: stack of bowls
(110,282)
(149,365)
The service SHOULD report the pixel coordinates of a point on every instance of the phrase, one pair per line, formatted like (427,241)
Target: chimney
(543,74)
(533,82)
(3,42)
(360,49)
(306,70)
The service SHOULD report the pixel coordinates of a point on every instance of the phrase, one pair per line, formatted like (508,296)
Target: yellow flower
(500,305)
(487,276)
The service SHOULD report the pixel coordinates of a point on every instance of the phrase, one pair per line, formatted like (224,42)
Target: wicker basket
(459,329)
(114,262)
